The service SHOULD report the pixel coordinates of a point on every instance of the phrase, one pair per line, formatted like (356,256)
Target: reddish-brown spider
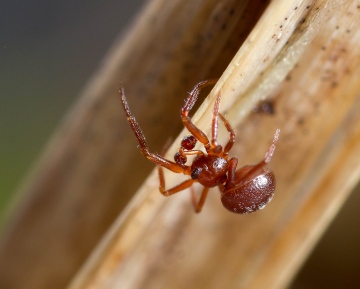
(243,190)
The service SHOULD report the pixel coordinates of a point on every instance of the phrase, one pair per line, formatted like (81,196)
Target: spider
(244,190)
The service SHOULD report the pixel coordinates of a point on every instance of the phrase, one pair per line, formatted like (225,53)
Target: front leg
(182,186)
(189,103)
(155,158)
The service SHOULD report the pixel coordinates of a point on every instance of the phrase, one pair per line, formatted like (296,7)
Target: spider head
(209,170)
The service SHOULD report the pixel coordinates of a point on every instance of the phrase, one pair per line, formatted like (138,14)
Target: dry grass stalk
(91,166)
(300,56)
(304,61)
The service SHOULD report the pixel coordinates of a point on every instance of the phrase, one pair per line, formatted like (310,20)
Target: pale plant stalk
(301,57)
(298,57)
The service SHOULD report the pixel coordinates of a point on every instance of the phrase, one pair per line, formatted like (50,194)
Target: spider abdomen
(247,195)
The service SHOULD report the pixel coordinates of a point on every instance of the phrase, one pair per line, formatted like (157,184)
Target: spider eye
(195,173)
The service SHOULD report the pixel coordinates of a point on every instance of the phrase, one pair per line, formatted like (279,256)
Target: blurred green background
(48,51)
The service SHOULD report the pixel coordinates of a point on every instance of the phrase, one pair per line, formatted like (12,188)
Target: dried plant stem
(310,72)
(299,56)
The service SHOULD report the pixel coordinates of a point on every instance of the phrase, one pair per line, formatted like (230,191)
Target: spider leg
(215,121)
(180,187)
(271,150)
(253,168)
(231,132)
(231,171)
(189,103)
(199,204)
(155,158)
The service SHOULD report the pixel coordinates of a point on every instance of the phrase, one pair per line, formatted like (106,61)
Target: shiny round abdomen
(251,195)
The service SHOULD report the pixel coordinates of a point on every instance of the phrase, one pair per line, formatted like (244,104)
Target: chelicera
(244,190)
